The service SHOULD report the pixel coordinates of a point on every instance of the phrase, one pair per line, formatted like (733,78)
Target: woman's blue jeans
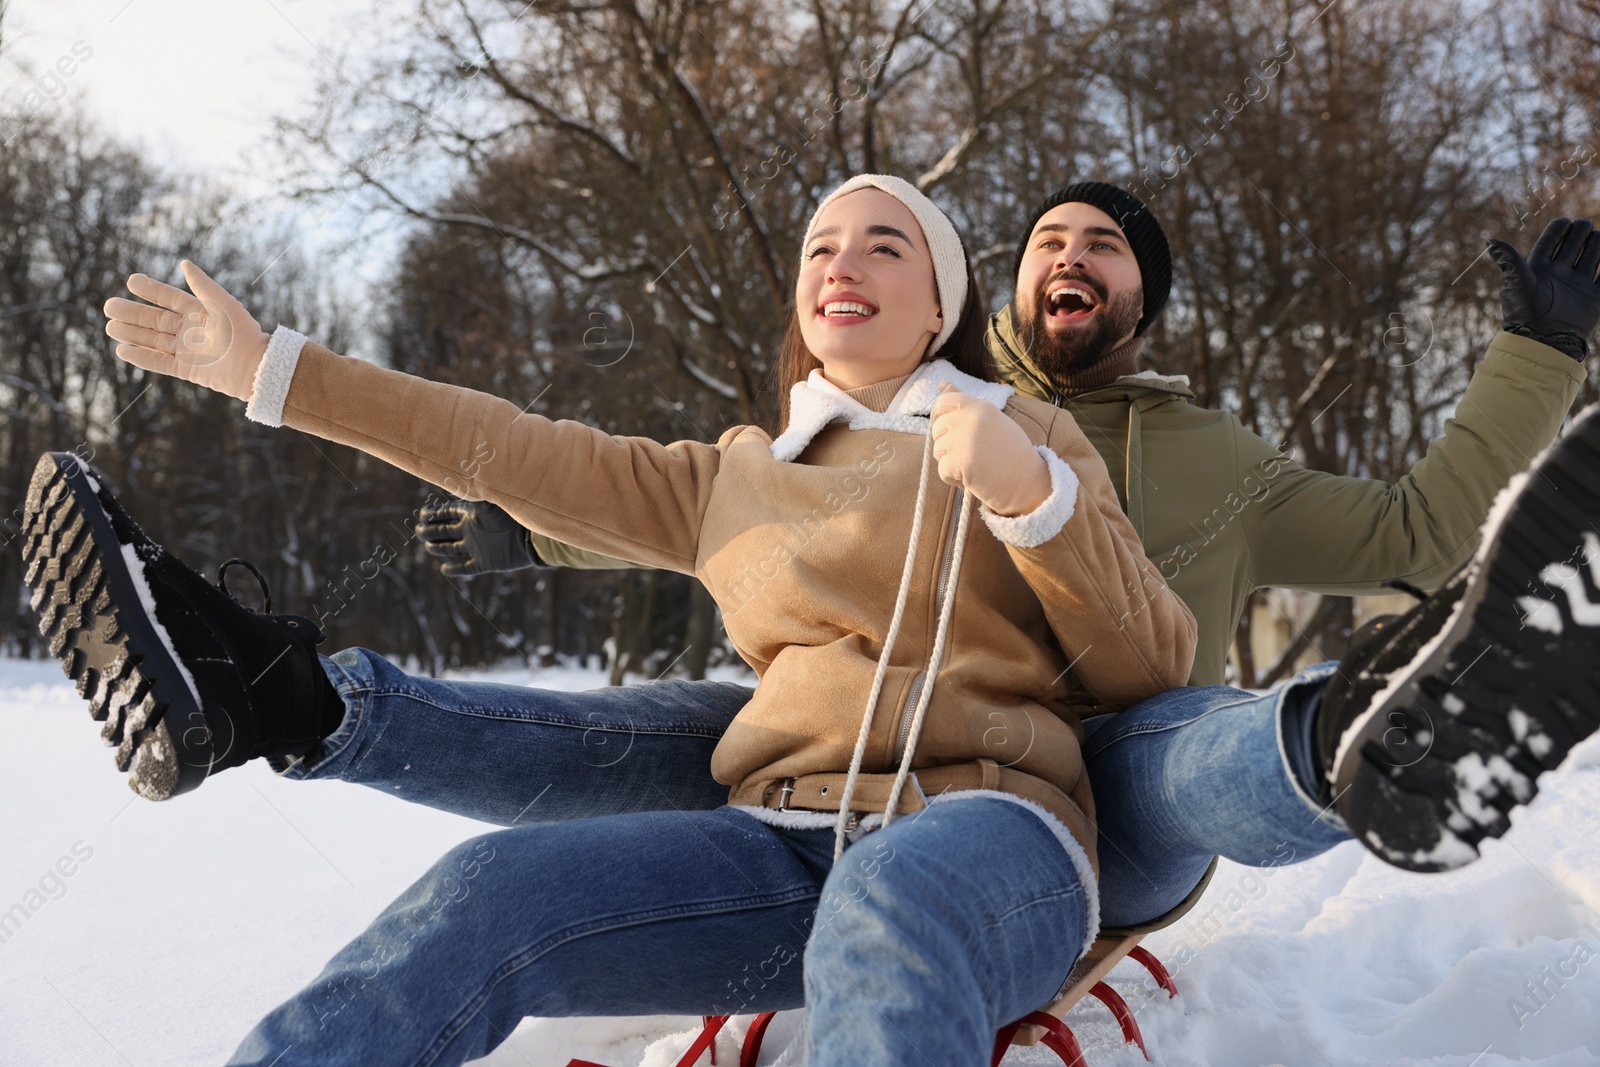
(622,885)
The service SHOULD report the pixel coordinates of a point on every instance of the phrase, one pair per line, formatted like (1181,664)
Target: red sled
(1045,1026)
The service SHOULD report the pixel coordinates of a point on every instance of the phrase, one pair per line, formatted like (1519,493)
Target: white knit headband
(949,261)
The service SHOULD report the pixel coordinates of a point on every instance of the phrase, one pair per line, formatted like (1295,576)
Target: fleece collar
(816,402)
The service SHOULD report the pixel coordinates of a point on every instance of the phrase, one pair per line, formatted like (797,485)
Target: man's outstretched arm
(1318,531)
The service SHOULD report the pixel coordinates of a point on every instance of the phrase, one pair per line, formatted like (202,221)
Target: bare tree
(600,203)
(1326,175)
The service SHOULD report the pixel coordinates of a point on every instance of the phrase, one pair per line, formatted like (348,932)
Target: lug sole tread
(83,628)
(1495,664)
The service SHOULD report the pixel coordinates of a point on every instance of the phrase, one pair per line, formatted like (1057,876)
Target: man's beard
(1077,350)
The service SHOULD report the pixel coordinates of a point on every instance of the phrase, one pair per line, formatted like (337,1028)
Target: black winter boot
(187,680)
(1378,649)
(1440,723)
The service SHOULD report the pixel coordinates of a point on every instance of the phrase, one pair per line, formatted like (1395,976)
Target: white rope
(883,657)
(937,657)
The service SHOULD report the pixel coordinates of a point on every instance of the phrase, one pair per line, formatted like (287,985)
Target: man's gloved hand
(474,537)
(1552,296)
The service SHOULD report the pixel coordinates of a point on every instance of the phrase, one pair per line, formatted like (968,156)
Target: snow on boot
(186,679)
(1378,649)
(1440,724)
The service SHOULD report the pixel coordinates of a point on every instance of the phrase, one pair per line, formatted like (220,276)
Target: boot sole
(96,616)
(1510,684)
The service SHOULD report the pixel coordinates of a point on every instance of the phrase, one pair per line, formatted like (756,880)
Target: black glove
(1552,296)
(474,537)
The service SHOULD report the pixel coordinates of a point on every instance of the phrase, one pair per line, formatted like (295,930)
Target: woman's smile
(846,308)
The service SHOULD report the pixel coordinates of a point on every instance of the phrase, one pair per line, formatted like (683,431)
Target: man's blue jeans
(622,886)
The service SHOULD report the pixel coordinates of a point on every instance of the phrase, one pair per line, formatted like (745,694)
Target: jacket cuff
(1539,353)
(1045,521)
(270,390)
(536,561)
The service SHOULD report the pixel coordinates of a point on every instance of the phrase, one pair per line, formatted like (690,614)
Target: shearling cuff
(271,386)
(1045,521)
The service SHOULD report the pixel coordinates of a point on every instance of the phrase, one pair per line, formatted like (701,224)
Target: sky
(196,84)
(195,81)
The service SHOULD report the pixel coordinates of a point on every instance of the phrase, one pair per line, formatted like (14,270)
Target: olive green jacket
(1222,511)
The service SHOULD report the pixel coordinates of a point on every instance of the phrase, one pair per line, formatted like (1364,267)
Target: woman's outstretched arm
(625,496)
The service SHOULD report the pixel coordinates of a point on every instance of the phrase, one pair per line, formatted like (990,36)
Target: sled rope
(883,657)
(934,659)
(946,611)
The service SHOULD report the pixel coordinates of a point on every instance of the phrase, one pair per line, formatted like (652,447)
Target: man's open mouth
(1070,301)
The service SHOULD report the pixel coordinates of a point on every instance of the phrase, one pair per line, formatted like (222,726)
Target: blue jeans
(926,937)
(622,886)
(1194,773)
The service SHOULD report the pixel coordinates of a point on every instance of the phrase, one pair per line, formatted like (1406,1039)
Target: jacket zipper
(941,590)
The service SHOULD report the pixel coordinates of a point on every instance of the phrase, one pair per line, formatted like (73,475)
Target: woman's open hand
(207,338)
(980,449)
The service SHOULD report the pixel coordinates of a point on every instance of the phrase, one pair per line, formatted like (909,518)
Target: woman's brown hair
(966,349)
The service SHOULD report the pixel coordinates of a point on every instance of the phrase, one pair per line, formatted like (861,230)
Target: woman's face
(866,297)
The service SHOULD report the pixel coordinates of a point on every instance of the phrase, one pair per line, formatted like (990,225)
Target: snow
(135,565)
(159,933)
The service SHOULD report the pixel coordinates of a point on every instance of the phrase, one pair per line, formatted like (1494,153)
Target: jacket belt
(821,792)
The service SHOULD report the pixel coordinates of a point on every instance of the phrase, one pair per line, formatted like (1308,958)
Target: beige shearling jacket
(802,541)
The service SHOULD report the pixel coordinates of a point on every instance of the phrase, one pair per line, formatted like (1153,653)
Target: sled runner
(1045,1026)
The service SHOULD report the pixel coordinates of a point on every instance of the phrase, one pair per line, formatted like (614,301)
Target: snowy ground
(157,934)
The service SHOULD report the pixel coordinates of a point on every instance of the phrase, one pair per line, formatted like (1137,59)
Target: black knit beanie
(1139,226)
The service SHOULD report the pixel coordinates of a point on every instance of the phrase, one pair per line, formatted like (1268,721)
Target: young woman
(908,843)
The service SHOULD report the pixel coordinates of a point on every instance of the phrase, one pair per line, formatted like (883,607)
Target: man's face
(1079,293)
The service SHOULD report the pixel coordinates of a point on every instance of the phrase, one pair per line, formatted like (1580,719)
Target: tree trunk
(1243,653)
(549,616)
(700,632)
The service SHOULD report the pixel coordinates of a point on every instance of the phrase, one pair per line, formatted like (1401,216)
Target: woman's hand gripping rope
(980,449)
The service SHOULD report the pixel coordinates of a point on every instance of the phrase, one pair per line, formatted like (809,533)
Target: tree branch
(554,117)
(957,152)
(588,271)
(697,108)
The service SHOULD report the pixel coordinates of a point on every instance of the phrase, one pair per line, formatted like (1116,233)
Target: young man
(1207,770)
